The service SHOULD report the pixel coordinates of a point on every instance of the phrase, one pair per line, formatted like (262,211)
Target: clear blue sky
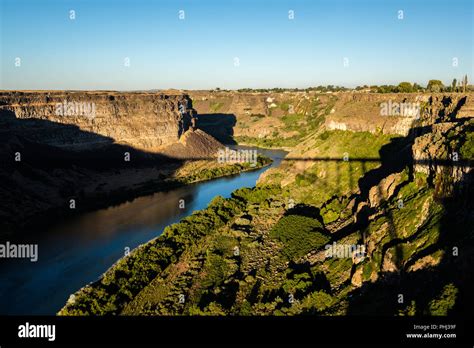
(198,52)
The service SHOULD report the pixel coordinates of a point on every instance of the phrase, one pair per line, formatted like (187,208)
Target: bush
(299,234)
(445,301)
(319,301)
(256,194)
(324,135)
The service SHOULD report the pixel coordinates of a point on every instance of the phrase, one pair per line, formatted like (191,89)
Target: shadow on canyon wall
(455,241)
(45,164)
(56,145)
(220,126)
(420,286)
(455,235)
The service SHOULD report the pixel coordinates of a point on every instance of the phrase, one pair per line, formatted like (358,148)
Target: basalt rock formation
(145,121)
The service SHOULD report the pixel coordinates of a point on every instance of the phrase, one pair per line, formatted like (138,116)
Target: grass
(269,142)
(215,106)
(300,122)
(320,181)
(334,210)
(293,121)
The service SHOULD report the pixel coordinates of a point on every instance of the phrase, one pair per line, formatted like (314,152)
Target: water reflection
(77,251)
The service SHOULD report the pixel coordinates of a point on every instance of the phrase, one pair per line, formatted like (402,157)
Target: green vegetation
(402,87)
(464,142)
(215,106)
(299,235)
(300,124)
(445,301)
(335,209)
(293,121)
(269,142)
(435,86)
(316,184)
(256,195)
(405,87)
(212,173)
(131,274)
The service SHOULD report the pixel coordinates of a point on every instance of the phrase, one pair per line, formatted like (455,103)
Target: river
(76,251)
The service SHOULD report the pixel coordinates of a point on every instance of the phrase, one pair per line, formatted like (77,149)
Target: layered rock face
(285,114)
(392,113)
(145,121)
(445,154)
(238,103)
(96,148)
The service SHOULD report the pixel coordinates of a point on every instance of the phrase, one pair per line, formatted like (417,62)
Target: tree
(405,87)
(435,86)
(464,83)
(453,85)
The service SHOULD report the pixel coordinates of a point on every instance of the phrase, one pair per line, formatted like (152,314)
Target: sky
(205,44)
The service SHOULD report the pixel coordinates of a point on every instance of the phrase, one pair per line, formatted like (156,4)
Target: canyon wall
(145,121)
(97,148)
(279,114)
(378,112)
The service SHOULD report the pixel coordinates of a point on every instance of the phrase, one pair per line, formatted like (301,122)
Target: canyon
(57,163)
(399,187)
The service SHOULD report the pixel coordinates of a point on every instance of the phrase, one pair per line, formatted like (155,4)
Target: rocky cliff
(284,119)
(145,121)
(65,152)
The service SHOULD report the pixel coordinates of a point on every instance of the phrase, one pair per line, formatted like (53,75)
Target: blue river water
(77,251)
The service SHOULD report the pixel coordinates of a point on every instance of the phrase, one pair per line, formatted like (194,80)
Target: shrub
(299,235)
(445,301)
(257,194)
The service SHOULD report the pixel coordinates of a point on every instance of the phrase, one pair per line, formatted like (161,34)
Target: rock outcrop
(445,154)
(193,144)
